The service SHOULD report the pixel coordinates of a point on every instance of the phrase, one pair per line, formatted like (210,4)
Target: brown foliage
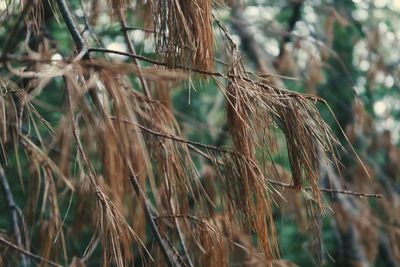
(122,156)
(184,34)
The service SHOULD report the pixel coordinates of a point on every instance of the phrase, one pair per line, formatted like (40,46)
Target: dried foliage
(119,160)
(184,34)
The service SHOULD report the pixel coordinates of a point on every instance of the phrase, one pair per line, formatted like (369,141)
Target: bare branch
(164,247)
(211,73)
(27,253)
(73,30)
(131,48)
(328,190)
(193,145)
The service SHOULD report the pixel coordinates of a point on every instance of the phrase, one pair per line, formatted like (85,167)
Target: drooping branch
(193,145)
(79,42)
(211,73)
(183,244)
(164,246)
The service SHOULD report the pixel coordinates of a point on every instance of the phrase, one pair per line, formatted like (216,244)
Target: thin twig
(27,253)
(211,73)
(329,190)
(87,25)
(75,128)
(337,191)
(174,251)
(193,145)
(283,92)
(79,42)
(162,244)
(131,48)
(181,236)
(181,216)
(149,60)
(13,213)
(175,138)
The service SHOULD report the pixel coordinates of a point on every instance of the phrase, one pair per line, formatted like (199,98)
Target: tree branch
(27,253)
(193,145)
(73,30)
(79,43)
(131,48)
(164,247)
(328,190)
(88,27)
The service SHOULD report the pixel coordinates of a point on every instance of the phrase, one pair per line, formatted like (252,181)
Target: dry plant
(117,154)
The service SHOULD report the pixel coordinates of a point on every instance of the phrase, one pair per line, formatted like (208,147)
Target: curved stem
(164,247)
